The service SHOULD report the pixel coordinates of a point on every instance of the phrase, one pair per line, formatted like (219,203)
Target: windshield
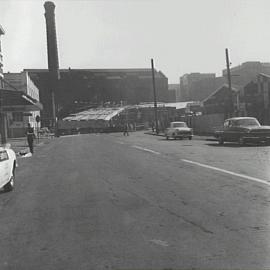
(246,122)
(179,125)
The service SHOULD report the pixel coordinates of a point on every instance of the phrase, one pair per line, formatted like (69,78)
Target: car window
(3,155)
(179,125)
(246,122)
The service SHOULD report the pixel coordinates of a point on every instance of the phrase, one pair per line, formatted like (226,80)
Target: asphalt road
(107,201)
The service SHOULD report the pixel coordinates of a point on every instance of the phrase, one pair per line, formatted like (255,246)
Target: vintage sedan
(178,130)
(243,130)
(7,168)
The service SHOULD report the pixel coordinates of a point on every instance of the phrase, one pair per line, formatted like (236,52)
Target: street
(108,201)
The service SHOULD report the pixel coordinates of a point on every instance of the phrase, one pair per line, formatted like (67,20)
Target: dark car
(243,130)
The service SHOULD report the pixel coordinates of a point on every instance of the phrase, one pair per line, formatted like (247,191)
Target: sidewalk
(20,145)
(196,137)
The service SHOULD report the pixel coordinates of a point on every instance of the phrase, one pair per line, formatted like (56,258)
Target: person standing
(30,137)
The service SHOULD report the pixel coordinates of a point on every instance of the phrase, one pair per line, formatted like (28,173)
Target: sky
(182,36)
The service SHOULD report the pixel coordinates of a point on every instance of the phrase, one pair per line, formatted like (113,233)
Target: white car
(178,130)
(8,165)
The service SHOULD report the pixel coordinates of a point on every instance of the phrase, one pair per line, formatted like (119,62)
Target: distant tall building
(172,93)
(197,86)
(241,75)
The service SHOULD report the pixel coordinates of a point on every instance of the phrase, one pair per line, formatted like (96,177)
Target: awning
(18,101)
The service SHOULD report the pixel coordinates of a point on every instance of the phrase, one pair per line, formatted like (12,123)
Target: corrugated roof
(104,114)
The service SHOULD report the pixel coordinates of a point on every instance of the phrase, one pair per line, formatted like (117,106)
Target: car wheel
(241,141)
(220,141)
(167,137)
(190,138)
(10,185)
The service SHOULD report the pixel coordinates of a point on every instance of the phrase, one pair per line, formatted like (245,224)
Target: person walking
(30,137)
(126,130)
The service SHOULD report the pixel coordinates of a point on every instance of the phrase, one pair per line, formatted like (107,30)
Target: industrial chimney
(53,63)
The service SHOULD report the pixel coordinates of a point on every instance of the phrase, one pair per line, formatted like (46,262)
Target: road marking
(160,242)
(228,172)
(145,149)
(120,142)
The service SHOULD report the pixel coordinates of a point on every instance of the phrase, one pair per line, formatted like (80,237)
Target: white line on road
(120,142)
(145,149)
(228,172)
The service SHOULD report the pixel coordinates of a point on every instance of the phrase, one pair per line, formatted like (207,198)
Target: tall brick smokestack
(53,62)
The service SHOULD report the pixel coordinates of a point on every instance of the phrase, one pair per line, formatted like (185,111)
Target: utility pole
(229,99)
(2,114)
(155,97)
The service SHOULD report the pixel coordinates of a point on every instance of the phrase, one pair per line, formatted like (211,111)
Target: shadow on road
(235,145)
(173,140)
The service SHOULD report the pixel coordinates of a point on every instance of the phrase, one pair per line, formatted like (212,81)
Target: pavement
(20,145)
(108,201)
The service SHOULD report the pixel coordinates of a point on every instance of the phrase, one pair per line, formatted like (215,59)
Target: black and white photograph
(134,134)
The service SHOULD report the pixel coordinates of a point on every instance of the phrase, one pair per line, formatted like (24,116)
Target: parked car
(243,130)
(8,165)
(178,130)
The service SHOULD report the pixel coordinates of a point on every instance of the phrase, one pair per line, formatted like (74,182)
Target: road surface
(105,201)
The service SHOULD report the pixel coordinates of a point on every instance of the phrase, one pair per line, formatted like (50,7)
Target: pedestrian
(153,126)
(30,137)
(126,130)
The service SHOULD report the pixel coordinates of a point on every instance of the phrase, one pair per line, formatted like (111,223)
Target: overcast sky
(182,36)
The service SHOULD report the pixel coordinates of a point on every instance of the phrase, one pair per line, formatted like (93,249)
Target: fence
(205,124)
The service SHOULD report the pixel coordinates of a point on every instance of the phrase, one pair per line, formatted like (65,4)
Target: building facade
(97,86)
(243,74)
(172,93)
(197,86)
(17,120)
(263,84)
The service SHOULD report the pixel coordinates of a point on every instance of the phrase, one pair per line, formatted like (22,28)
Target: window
(17,116)
(3,156)
(179,125)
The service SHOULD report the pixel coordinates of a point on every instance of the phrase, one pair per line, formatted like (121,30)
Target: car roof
(178,122)
(240,118)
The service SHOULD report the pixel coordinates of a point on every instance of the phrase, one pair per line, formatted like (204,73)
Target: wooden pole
(155,96)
